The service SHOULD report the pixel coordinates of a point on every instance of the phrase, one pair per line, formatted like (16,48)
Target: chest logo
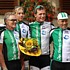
(24,31)
(66,37)
(43,32)
(43,27)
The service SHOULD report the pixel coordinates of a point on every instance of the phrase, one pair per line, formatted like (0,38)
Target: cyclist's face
(19,15)
(40,15)
(63,23)
(11,22)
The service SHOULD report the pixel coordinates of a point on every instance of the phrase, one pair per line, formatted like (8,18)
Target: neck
(39,22)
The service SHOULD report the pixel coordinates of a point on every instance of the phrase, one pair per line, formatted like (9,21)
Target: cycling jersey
(40,31)
(61,41)
(10,39)
(23,29)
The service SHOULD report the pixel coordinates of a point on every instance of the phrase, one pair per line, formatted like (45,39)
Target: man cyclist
(61,40)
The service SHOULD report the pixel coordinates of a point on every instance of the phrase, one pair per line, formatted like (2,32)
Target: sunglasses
(12,19)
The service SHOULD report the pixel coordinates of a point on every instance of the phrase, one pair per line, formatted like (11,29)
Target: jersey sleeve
(51,39)
(1,37)
(52,25)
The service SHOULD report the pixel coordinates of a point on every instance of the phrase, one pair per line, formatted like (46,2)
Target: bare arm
(22,60)
(51,50)
(2,62)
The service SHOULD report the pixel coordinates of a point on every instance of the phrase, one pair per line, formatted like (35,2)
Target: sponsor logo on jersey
(67,59)
(43,27)
(66,37)
(43,32)
(24,31)
(67,32)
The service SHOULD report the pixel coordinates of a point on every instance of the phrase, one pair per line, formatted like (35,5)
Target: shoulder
(49,23)
(2,30)
(2,36)
(46,23)
(25,23)
(52,30)
(2,27)
(31,23)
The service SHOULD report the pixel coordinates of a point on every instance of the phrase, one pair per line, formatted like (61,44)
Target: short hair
(39,7)
(7,14)
(17,8)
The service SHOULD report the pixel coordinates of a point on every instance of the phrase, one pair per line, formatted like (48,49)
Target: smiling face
(62,20)
(62,23)
(40,15)
(19,13)
(11,22)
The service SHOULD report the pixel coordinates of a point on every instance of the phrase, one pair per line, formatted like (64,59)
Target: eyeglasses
(12,19)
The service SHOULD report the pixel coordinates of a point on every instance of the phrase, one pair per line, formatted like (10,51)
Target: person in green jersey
(9,50)
(22,27)
(40,30)
(61,43)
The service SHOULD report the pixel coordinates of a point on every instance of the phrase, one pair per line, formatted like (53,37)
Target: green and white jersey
(10,39)
(40,31)
(61,41)
(23,29)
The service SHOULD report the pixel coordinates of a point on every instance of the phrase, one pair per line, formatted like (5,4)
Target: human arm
(2,61)
(51,50)
(22,61)
(51,45)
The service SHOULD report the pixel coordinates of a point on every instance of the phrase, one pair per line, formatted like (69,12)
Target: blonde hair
(17,8)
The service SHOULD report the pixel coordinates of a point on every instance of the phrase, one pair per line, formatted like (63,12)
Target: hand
(5,68)
(22,68)
(50,55)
